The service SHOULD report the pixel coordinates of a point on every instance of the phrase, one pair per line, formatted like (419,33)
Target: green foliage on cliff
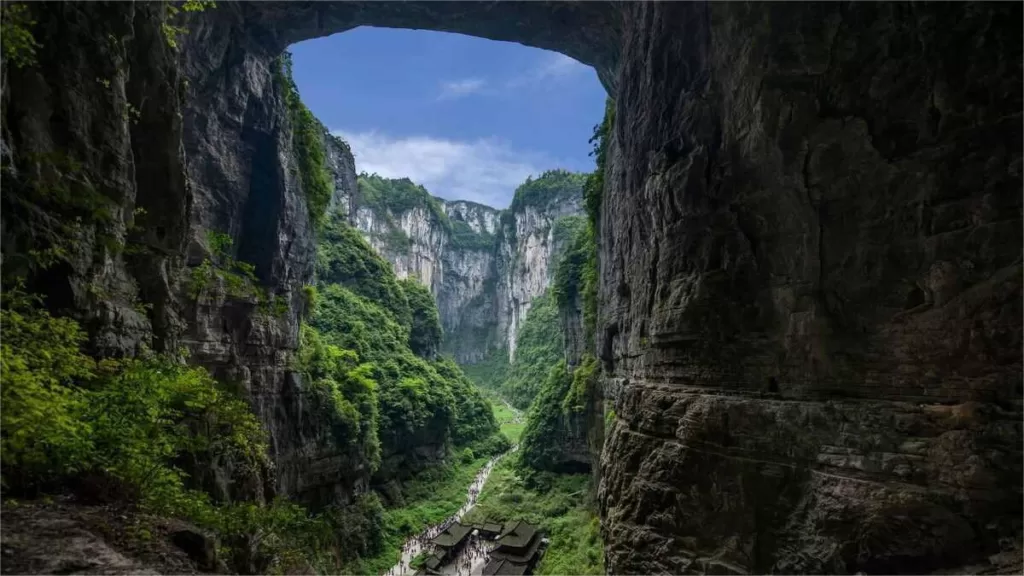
(307,145)
(344,392)
(396,240)
(55,214)
(559,503)
(593,188)
(418,399)
(584,381)
(538,348)
(464,237)
(475,424)
(398,196)
(551,187)
(344,257)
(16,39)
(567,228)
(236,277)
(539,446)
(585,277)
(490,372)
(425,328)
(394,326)
(66,413)
(172,31)
(122,428)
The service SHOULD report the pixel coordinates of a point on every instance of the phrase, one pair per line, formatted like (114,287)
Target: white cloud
(460,88)
(551,65)
(485,171)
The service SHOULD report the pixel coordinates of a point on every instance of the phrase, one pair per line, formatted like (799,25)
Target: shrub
(44,436)
(584,380)
(425,329)
(343,390)
(129,422)
(19,46)
(539,346)
(345,258)
(126,419)
(551,187)
(540,440)
(308,145)
(309,299)
(238,278)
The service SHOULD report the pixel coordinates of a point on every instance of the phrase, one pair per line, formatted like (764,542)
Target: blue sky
(466,117)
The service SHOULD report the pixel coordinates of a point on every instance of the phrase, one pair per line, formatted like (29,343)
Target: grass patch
(558,503)
(506,418)
(430,497)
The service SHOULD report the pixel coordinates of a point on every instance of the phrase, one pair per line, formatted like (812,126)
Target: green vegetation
(551,187)
(122,428)
(396,240)
(538,347)
(586,243)
(394,197)
(567,228)
(171,31)
(343,391)
(539,448)
(432,496)
(393,327)
(344,258)
(238,278)
(584,381)
(491,372)
(425,328)
(576,277)
(593,188)
(307,145)
(509,422)
(372,335)
(464,237)
(16,39)
(559,503)
(57,214)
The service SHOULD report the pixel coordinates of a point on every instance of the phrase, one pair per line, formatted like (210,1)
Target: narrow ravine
(474,555)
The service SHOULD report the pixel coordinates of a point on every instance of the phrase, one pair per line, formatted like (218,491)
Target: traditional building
(488,529)
(517,550)
(432,565)
(452,539)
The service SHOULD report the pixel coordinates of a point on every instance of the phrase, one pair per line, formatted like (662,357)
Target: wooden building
(488,529)
(517,550)
(452,539)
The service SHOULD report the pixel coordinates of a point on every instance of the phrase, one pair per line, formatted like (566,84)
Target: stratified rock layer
(811,288)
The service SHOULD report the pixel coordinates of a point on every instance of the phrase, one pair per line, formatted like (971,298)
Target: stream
(472,556)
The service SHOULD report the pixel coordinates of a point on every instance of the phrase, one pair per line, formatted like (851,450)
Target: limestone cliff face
(811,288)
(483,266)
(527,259)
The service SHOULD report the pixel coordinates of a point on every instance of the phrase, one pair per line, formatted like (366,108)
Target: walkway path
(471,559)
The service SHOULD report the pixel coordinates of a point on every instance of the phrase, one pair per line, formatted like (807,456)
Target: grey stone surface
(811,287)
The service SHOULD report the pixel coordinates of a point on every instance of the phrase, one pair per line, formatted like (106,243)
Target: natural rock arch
(782,176)
(587,31)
